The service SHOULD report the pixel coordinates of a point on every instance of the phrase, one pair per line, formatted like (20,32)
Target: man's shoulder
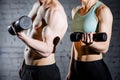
(56,11)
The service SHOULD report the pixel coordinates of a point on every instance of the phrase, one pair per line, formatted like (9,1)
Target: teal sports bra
(86,23)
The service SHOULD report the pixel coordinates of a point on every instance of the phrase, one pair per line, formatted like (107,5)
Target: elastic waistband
(88,62)
(32,67)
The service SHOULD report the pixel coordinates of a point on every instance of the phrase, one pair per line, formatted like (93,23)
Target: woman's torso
(85,22)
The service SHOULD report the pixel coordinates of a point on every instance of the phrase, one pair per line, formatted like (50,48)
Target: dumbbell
(23,23)
(99,37)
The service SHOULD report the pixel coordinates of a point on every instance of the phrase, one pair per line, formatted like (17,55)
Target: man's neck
(50,3)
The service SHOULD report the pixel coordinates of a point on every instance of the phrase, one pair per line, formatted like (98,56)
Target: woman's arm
(21,69)
(105,20)
(71,64)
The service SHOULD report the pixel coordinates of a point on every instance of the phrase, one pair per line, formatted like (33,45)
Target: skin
(86,49)
(49,27)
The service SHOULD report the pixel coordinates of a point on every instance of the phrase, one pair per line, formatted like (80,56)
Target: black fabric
(47,72)
(94,70)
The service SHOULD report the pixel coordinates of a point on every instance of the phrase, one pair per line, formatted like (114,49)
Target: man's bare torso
(32,57)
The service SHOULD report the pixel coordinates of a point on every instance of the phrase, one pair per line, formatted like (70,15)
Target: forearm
(100,47)
(32,14)
(97,46)
(32,17)
(38,46)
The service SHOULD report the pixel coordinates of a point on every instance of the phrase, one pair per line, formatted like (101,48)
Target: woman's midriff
(85,53)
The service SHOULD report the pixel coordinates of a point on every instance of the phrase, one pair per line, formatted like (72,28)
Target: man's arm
(55,28)
(105,19)
(33,11)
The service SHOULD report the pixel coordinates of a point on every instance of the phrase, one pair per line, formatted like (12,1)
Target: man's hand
(21,34)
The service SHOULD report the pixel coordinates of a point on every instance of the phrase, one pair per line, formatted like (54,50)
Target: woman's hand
(87,38)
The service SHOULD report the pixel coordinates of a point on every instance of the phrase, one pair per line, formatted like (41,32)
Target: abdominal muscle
(85,53)
(32,58)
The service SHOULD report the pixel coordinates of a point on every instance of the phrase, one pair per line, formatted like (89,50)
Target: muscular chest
(36,32)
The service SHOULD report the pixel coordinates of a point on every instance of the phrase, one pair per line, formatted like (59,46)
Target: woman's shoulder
(76,8)
(103,8)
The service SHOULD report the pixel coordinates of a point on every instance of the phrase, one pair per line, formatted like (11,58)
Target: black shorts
(47,72)
(94,70)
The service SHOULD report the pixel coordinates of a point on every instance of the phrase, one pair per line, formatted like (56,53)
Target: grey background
(11,48)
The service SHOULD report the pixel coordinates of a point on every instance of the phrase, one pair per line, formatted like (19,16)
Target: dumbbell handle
(99,37)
